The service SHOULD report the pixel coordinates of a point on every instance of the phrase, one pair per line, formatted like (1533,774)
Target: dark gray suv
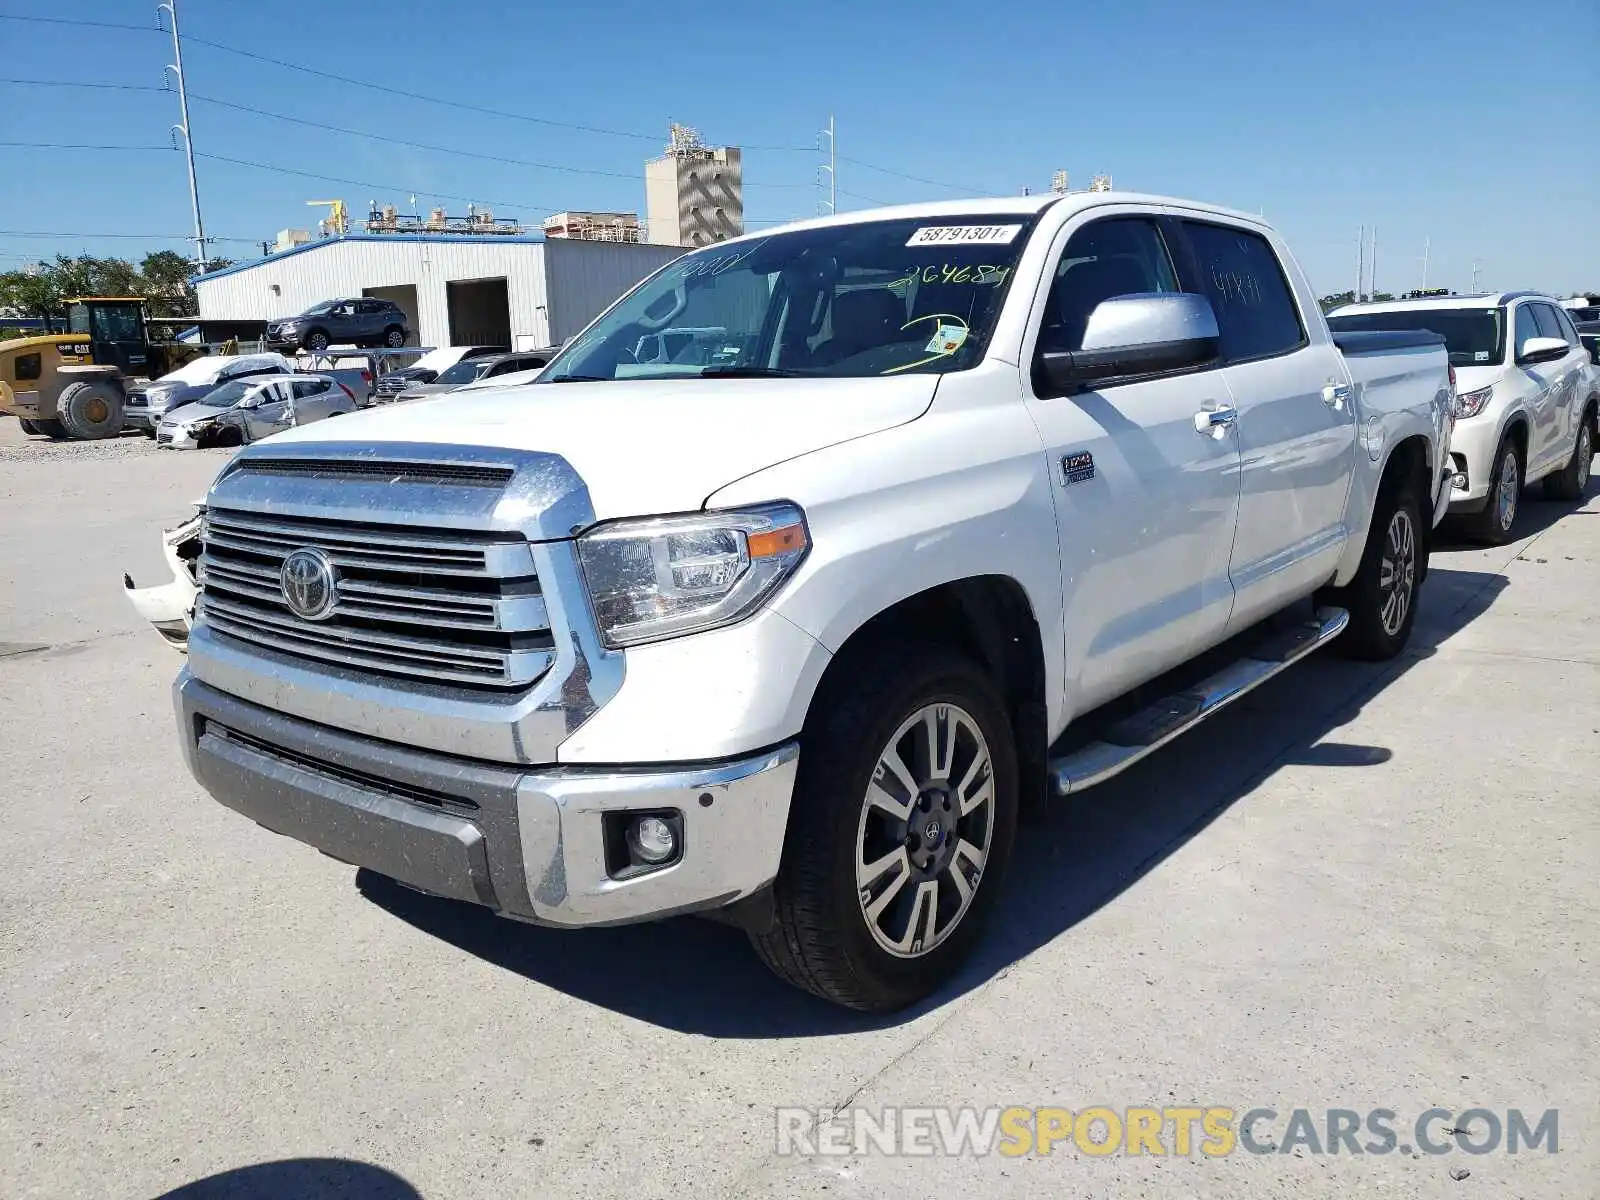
(360,321)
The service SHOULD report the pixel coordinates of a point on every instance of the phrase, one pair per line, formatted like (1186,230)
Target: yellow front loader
(74,385)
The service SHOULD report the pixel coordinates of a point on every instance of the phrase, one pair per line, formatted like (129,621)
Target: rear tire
(394,337)
(871,789)
(29,426)
(1382,598)
(51,430)
(1572,481)
(1492,526)
(90,410)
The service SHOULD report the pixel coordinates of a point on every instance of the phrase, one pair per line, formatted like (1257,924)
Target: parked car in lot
(426,369)
(512,378)
(998,497)
(1527,398)
(359,321)
(474,370)
(148,403)
(247,410)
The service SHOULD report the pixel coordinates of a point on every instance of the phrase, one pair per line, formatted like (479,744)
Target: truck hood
(644,446)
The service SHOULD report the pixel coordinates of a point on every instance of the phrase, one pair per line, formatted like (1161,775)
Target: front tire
(1382,598)
(1572,481)
(29,426)
(1493,524)
(316,341)
(900,830)
(90,410)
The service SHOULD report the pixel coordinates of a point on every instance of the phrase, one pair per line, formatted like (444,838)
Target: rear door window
(1240,274)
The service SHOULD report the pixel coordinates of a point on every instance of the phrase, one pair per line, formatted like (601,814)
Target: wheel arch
(991,619)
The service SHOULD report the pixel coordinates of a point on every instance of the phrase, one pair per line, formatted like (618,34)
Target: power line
(80,23)
(74,83)
(378,87)
(137,237)
(77,146)
(868,199)
(367,183)
(383,137)
(954,187)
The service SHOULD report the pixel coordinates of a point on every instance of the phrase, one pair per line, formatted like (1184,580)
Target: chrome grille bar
(439,606)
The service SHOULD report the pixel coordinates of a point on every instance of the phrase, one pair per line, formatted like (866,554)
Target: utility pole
(1361,260)
(1474,275)
(176,67)
(1427,244)
(831,166)
(1372,264)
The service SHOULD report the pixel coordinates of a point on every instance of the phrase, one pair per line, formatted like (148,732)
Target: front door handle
(1337,395)
(1214,418)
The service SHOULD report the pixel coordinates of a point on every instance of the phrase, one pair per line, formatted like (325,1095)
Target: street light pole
(170,7)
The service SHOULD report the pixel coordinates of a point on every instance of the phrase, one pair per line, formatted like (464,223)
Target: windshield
(321,310)
(1473,336)
(229,393)
(78,318)
(872,298)
(464,371)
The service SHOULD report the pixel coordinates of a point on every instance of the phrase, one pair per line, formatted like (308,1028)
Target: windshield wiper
(579,379)
(747,373)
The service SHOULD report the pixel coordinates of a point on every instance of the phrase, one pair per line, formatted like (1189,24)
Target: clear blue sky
(1472,123)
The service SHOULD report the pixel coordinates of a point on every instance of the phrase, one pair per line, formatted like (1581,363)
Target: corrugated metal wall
(344,267)
(553,288)
(585,277)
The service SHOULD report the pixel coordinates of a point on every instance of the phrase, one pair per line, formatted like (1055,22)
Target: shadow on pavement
(700,977)
(299,1179)
(1535,514)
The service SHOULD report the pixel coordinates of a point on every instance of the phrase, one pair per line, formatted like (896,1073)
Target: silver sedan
(248,410)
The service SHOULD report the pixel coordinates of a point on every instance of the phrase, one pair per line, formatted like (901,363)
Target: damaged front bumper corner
(170,606)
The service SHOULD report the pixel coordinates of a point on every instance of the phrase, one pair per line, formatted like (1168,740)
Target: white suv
(1527,397)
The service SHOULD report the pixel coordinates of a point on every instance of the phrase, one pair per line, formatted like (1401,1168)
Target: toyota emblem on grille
(308,581)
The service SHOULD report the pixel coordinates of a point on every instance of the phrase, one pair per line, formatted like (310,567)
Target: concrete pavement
(1357,888)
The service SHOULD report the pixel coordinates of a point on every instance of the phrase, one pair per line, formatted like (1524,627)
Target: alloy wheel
(1397,572)
(926,827)
(1585,455)
(1510,487)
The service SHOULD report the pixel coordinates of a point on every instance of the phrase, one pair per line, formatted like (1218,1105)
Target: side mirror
(1128,336)
(1542,349)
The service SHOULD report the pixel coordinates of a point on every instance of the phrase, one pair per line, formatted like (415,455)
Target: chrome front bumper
(527,842)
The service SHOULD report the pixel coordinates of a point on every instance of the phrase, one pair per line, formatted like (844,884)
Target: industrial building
(456,289)
(694,194)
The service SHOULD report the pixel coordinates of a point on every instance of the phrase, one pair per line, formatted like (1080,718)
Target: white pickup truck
(967,504)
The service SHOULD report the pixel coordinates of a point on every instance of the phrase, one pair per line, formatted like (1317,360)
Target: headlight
(1470,404)
(660,577)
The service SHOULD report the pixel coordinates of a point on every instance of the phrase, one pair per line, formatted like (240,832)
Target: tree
(166,284)
(1337,300)
(162,278)
(31,293)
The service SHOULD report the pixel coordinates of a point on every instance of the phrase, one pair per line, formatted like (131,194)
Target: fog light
(1459,481)
(652,840)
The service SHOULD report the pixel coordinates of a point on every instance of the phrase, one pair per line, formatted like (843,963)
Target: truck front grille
(452,607)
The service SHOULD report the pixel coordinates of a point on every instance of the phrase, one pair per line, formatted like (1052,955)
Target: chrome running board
(1130,739)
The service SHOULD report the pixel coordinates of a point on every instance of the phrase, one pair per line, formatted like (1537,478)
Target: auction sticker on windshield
(964,235)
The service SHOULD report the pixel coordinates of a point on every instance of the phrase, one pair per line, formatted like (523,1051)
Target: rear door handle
(1215,417)
(1337,395)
